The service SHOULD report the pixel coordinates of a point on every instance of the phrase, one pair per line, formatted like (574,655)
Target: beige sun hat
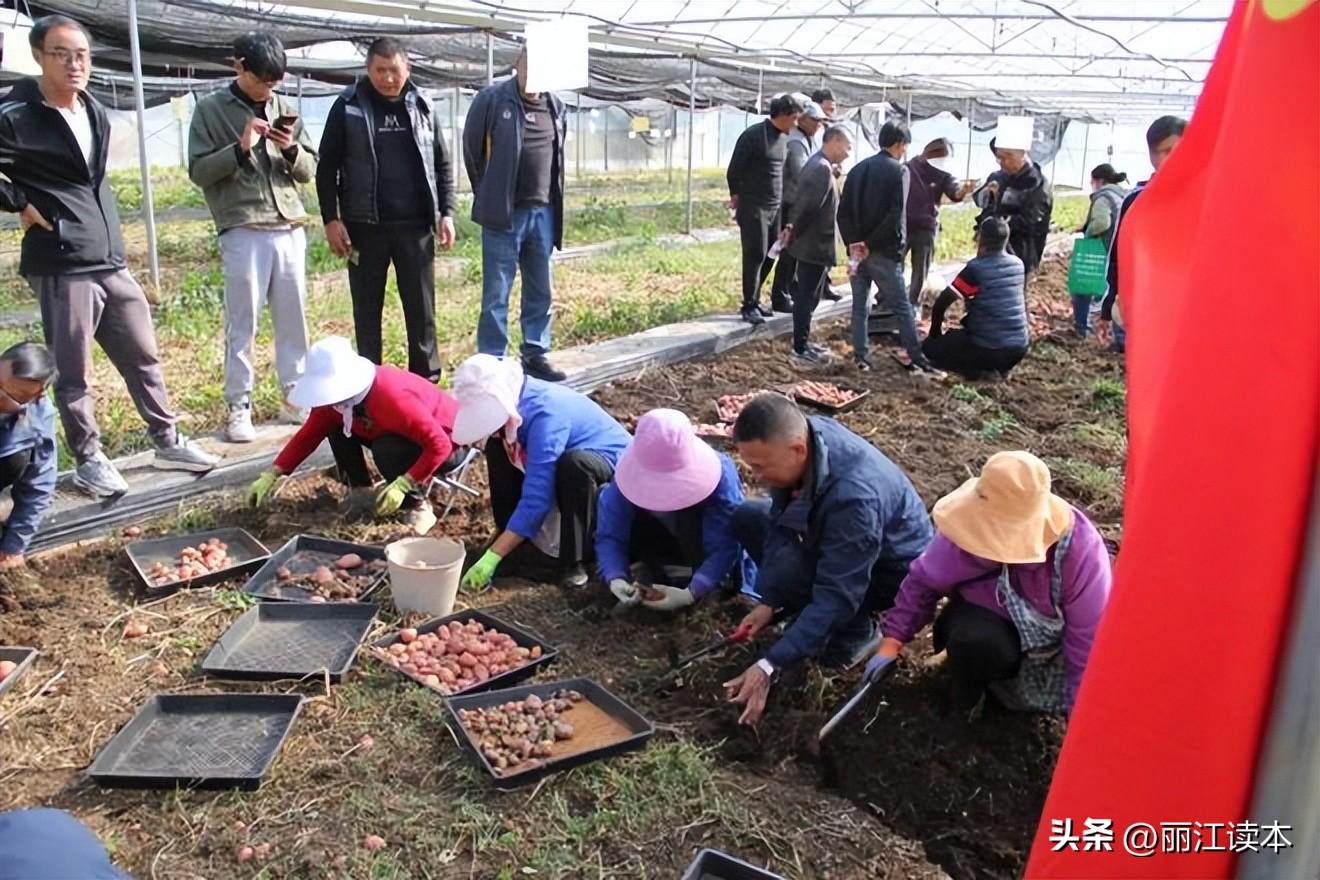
(1007,514)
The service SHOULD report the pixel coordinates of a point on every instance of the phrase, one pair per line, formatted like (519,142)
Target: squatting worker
(930,180)
(27,445)
(403,419)
(993,336)
(45,842)
(1161,138)
(1019,193)
(513,148)
(248,150)
(832,543)
(549,449)
(386,190)
(803,142)
(756,186)
(873,223)
(1027,577)
(810,242)
(54,142)
(670,506)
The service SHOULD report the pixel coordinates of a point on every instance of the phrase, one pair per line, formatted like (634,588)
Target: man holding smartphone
(248,151)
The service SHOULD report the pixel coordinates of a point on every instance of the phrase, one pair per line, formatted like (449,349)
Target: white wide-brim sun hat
(334,373)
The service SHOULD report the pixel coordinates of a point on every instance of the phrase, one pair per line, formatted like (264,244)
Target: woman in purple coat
(1027,576)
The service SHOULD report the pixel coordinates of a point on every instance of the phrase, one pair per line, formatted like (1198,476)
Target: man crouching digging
(832,542)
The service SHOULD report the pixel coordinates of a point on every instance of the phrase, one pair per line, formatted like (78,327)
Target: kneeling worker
(548,448)
(1027,576)
(832,543)
(27,445)
(994,336)
(671,503)
(405,420)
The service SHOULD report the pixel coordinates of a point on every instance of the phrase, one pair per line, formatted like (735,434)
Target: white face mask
(939,162)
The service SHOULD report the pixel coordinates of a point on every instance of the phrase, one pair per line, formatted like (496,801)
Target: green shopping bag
(1086,269)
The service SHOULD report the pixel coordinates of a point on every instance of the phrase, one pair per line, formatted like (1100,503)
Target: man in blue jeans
(873,223)
(513,148)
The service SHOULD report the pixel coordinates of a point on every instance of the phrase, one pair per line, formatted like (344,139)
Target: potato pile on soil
(370,783)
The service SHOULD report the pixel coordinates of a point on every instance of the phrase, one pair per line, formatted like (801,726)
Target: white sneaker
(292,415)
(184,455)
(98,477)
(238,428)
(421,519)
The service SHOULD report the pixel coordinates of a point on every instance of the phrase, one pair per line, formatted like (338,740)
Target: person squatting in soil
(1027,576)
(756,185)
(54,147)
(248,150)
(28,460)
(513,149)
(402,418)
(808,240)
(670,509)
(549,449)
(832,543)
(993,337)
(386,189)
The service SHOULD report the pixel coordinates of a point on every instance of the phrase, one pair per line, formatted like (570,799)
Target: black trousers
(781,286)
(579,474)
(12,467)
(393,455)
(412,251)
(954,350)
(652,543)
(809,282)
(983,647)
(756,231)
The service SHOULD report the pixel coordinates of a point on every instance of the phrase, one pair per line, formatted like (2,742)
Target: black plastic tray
(198,741)
(524,639)
(24,657)
(860,395)
(291,640)
(711,864)
(311,550)
(246,552)
(641,729)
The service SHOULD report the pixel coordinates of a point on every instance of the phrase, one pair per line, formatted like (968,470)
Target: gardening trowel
(740,634)
(853,701)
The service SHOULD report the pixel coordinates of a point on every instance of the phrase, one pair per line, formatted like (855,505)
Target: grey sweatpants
(263,265)
(110,308)
(921,246)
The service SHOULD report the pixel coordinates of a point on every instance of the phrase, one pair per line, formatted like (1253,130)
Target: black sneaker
(863,364)
(752,315)
(765,312)
(781,304)
(829,294)
(538,367)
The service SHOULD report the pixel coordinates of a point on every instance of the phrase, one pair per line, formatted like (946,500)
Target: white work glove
(673,599)
(625,592)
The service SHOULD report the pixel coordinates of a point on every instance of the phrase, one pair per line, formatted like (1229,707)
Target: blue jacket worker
(670,506)
(27,445)
(832,543)
(47,844)
(994,336)
(513,148)
(549,450)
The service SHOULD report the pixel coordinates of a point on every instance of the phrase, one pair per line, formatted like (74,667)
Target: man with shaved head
(832,542)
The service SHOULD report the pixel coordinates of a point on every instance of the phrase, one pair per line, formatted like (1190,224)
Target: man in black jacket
(386,191)
(54,139)
(873,223)
(513,148)
(756,183)
(1019,193)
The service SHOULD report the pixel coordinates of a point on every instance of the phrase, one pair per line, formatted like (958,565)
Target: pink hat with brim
(667,466)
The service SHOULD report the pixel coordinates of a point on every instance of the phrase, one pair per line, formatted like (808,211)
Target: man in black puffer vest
(386,191)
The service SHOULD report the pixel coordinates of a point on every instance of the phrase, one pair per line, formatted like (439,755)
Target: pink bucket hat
(667,466)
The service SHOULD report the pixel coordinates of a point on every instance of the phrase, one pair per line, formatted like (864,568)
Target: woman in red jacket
(404,420)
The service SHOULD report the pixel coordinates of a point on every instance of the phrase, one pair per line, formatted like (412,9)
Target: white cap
(487,389)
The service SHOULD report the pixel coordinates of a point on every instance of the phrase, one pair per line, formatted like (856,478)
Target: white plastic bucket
(424,574)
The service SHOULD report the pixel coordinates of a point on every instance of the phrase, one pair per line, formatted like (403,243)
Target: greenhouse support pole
(692,128)
(606,116)
(300,107)
(909,110)
(148,209)
(490,58)
(456,156)
(760,89)
(669,145)
(577,136)
(1058,148)
(967,175)
(1086,143)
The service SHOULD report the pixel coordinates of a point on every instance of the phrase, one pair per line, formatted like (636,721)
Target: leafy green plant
(1108,395)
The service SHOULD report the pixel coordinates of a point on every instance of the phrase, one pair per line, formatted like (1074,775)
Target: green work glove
(479,575)
(260,491)
(390,498)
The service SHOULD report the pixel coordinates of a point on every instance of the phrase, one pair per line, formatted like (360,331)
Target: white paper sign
(1014,133)
(15,53)
(556,55)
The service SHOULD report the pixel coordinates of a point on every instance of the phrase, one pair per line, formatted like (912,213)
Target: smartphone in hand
(286,122)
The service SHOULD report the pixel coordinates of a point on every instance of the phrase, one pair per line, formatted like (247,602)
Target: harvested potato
(7,668)
(348,561)
(514,736)
(455,656)
(192,562)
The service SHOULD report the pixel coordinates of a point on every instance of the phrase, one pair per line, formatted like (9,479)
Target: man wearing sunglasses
(54,140)
(27,445)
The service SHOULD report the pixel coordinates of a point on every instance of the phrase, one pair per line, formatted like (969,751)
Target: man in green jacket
(248,151)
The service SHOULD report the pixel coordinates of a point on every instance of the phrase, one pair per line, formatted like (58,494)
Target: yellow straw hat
(1007,514)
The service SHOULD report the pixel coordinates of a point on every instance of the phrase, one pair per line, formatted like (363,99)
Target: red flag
(1221,293)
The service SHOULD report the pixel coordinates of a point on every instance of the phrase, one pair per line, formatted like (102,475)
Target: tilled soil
(901,789)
